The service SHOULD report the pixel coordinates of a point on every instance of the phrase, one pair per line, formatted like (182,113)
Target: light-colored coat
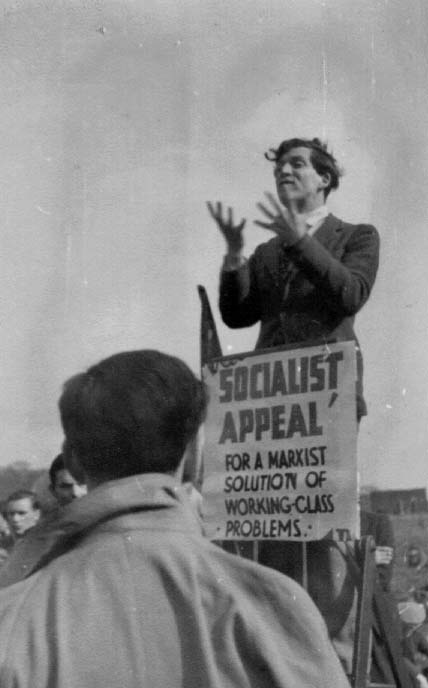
(135,596)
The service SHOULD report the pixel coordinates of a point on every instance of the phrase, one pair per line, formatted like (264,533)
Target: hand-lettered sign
(280,452)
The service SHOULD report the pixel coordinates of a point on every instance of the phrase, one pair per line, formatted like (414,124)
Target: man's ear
(191,465)
(325,180)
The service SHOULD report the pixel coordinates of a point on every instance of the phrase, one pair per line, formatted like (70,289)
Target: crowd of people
(117,585)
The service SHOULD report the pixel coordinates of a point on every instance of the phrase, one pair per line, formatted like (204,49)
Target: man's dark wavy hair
(133,412)
(322,160)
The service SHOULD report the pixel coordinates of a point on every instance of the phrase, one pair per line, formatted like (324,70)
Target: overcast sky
(119,119)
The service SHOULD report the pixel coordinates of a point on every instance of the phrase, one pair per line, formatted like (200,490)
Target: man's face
(298,181)
(66,488)
(413,556)
(21,516)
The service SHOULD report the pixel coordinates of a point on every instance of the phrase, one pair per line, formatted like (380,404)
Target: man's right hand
(232,232)
(287,223)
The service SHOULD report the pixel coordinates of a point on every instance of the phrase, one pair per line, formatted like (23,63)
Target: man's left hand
(288,224)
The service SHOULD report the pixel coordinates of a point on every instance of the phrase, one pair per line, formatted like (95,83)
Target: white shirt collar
(315,218)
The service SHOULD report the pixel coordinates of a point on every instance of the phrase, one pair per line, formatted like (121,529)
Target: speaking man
(306,284)
(310,280)
(133,594)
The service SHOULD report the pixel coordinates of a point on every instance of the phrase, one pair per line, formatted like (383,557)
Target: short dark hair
(57,465)
(132,413)
(322,160)
(24,494)
(60,464)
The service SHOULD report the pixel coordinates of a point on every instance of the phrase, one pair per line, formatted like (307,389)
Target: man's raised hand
(232,232)
(287,223)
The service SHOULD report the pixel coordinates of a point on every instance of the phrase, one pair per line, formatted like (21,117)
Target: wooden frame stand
(376,617)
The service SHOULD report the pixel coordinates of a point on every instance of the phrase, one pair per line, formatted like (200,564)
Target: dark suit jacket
(309,291)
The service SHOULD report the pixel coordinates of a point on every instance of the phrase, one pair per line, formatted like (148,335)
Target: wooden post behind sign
(304,565)
(375,610)
(362,643)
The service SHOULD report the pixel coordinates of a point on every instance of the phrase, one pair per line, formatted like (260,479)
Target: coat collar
(328,229)
(61,529)
(132,495)
(136,493)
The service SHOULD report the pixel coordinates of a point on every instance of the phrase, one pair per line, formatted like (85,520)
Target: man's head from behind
(132,413)
(64,487)
(22,511)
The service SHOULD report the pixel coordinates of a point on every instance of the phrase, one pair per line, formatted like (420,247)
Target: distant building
(364,499)
(398,501)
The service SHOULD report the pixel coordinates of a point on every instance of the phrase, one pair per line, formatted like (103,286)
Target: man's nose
(285,167)
(77,491)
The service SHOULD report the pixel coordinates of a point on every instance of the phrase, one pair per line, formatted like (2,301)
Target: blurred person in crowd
(414,643)
(26,556)
(415,557)
(416,561)
(134,591)
(6,540)
(22,512)
(63,485)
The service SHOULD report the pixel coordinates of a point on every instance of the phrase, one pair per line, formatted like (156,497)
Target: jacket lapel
(275,258)
(327,231)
